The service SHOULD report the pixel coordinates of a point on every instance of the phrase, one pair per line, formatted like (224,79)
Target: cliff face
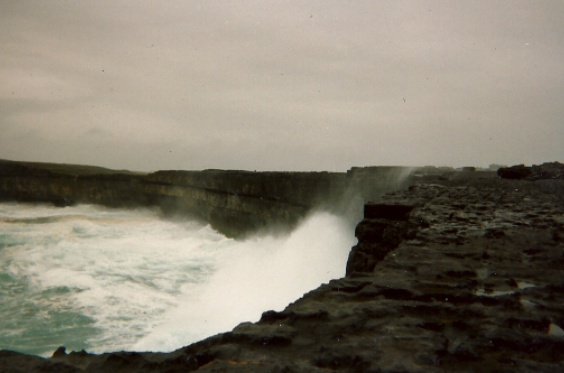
(69,184)
(236,202)
(233,202)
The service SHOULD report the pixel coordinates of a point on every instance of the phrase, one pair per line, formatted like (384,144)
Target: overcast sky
(281,85)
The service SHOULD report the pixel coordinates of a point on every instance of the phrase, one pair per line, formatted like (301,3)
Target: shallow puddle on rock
(525,285)
(555,330)
(494,293)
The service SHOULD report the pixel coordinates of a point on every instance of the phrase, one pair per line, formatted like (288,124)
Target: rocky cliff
(233,202)
(460,272)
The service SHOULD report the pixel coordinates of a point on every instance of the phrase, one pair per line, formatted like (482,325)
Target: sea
(104,279)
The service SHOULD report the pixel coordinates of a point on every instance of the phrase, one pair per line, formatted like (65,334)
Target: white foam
(150,284)
(255,276)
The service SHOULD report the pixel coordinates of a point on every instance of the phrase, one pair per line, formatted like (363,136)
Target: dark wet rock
(14,362)
(515,172)
(384,227)
(387,211)
(59,352)
(550,170)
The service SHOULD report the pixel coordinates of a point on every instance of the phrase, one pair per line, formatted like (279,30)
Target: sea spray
(257,275)
(107,279)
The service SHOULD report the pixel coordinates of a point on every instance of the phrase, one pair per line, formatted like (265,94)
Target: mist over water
(108,280)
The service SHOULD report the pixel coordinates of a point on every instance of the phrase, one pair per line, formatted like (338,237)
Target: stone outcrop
(384,227)
(549,170)
(470,280)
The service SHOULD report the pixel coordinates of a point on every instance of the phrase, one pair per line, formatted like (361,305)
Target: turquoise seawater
(101,279)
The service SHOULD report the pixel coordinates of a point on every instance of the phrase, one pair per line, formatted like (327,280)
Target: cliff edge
(235,203)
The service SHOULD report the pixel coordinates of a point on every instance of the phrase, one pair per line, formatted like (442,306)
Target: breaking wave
(101,279)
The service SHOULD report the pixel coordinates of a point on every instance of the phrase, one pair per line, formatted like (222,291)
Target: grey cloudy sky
(281,85)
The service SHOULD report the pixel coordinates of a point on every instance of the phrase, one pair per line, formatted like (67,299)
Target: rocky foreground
(458,273)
